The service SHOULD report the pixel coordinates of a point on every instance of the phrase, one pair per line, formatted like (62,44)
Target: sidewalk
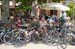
(33,46)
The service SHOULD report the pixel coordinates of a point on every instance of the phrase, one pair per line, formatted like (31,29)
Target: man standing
(63,17)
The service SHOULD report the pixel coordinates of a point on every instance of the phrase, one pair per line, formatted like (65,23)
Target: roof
(54,6)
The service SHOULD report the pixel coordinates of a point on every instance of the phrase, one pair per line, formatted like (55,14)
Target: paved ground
(33,46)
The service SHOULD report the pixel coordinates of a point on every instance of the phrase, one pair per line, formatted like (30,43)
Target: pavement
(34,46)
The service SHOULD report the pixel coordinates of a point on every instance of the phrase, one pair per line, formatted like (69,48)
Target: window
(52,12)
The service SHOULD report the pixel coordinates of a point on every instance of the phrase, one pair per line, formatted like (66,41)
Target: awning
(55,6)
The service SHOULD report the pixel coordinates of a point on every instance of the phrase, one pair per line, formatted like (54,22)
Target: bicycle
(8,37)
(2,33)
(71,35)
(50,36)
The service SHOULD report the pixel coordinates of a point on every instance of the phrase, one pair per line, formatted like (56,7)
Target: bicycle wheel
(62,44)
(49,39)
(70,38)
(23,38)
(1,36)
(1,39)
(55,38)
(62,37)
(8,37)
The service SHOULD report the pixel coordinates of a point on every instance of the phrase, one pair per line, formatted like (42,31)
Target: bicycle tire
(23,38)
(8,37)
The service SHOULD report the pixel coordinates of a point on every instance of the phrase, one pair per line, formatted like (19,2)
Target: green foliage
(26,4)
(72,9)
(41,1)
(56,0)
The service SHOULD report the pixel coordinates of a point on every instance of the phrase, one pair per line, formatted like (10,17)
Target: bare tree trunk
(5,12)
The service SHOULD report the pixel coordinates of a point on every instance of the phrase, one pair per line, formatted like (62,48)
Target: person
(42,22)
(11,19)
(50,20)
(19,22)
(34,22)
(46,17)
(62,20)
(64,14)
(63,17)
(56,20)
(23,21)
(67,22)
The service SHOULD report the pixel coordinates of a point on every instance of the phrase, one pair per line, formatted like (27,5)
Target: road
(33,46)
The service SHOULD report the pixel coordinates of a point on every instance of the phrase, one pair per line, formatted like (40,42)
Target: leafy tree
(26,4)
(56,0)
(72,9)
